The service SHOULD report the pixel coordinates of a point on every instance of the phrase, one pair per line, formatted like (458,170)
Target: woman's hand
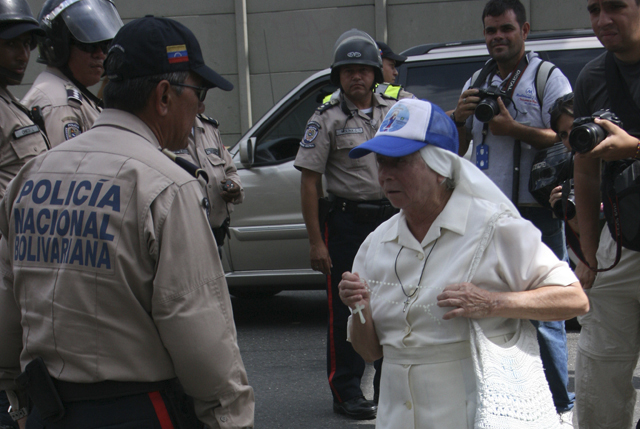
(468,300)
(353,291)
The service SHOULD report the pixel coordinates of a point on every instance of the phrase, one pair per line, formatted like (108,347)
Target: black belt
(372,209)
(73,392)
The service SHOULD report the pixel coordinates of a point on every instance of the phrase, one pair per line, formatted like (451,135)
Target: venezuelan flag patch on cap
(177,54)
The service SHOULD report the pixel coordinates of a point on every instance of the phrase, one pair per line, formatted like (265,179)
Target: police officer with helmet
(21,138)
(77,35)
(390,60)
(108,261)
(356,202)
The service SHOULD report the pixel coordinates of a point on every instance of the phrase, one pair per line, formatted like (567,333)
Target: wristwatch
(18,414)
(453,118)
(18,401)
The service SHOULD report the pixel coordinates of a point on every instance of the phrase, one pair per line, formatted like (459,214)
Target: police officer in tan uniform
(22,139)
(78,33)
(390,62)
(108,242)
(223,186)
(357,201)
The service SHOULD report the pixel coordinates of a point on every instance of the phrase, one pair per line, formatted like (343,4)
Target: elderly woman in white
(407,284)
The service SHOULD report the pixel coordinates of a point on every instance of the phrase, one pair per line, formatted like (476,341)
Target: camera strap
(573,240)
(508,85)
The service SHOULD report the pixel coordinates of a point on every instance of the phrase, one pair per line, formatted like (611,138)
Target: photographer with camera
(561,123)
(609,343)
(506,113)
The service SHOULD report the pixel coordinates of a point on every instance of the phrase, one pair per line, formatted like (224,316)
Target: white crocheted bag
(513,392)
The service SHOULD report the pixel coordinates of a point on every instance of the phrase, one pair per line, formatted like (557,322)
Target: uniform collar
(58,73)
(453,217)
(198,124)
(7,96)
(128,122)
(376,101)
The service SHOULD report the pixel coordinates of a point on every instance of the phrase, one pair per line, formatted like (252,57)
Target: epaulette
(208,119)
(73,93)
(328,105)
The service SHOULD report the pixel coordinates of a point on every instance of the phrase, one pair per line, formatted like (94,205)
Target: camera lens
(487,109)
(568,206)
(585,137)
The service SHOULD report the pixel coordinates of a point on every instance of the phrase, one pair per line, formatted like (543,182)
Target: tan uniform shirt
(21,138)
(207,152)
(66,111)
(111,272)
(329,137)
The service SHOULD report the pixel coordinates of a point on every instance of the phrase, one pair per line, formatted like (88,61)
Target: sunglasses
(92,47)
(201,92)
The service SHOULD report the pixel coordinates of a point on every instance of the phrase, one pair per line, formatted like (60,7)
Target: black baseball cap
(150,46)
(386,52)
(9,31)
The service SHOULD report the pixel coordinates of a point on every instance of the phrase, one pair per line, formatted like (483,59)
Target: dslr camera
(488,106)
(552,167)
(586,134)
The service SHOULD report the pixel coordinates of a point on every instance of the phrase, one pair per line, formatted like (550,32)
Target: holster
(222,231)
(182,405)
(37,382)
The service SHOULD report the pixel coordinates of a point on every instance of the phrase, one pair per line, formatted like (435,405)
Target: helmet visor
(91,21)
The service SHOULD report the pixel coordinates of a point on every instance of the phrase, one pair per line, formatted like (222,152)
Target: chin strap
(67,72)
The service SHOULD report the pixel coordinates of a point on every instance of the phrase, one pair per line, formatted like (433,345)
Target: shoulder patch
(310,135)
(71,130)
(73,93)
(209,120)
(328,105)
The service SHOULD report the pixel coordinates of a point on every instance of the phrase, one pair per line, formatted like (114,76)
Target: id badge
(482,156)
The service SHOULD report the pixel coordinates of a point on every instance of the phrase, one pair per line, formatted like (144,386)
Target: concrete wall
(266,47)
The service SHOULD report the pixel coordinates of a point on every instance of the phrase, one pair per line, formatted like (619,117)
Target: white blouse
(515,260)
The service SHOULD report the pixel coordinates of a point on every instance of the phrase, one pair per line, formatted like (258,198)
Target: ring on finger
(464,100)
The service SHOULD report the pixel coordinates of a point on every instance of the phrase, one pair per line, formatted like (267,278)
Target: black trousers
(142,411)
(345,367)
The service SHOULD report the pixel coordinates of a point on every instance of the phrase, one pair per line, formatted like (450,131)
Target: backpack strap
(542,76)
(480,76)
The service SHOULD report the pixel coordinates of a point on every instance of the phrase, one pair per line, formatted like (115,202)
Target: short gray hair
(131,95)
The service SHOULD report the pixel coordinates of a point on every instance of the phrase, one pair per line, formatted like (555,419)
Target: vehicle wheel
(253,293)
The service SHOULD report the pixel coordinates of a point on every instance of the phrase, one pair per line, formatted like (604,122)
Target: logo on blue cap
(395,120)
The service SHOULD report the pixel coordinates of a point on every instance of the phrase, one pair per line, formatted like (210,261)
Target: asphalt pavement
(283,344)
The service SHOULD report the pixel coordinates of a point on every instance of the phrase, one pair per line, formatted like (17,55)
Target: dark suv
(269,250)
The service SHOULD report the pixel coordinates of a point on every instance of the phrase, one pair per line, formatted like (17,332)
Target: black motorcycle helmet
(87,21)
(356,47)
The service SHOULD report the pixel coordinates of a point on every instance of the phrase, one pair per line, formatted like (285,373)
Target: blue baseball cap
(409,126)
